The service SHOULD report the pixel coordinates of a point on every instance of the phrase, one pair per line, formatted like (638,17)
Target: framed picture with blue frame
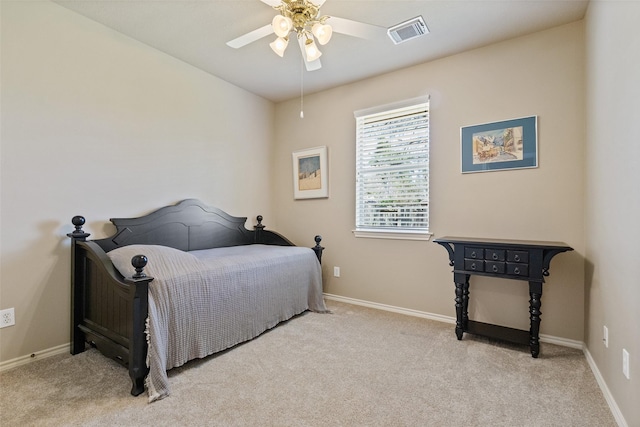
(508,144)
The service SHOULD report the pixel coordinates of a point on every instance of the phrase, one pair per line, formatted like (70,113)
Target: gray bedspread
(210,300)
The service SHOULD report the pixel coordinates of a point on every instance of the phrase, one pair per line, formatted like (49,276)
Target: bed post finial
(139,262)
(259,227)
(78,234)
(317,248)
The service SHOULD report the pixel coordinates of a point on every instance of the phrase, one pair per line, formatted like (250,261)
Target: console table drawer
(473,265)
(474,253)
(518,256)
(494,254)
(494,267)
(518,269)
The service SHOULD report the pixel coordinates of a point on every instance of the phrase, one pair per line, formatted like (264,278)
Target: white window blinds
(392,169)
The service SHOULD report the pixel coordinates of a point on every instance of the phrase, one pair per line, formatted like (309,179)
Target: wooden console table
(509,259)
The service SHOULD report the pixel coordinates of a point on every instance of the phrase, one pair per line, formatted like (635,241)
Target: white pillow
(163,261)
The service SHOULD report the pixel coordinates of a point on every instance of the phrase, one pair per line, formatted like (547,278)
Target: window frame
(402,233)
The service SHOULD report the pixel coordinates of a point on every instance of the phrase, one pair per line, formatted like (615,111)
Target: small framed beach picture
(310,173)
(509,144)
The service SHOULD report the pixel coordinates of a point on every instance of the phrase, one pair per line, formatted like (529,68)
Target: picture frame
(310,173)
(503,145)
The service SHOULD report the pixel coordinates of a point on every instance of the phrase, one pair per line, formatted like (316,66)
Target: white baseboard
(394,309)
(615,410)
(440,318)
(564,342)
(23,360)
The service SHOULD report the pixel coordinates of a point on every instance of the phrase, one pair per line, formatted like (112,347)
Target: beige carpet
(354,367)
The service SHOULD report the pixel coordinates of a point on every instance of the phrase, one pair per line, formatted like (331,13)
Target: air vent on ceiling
(408,30)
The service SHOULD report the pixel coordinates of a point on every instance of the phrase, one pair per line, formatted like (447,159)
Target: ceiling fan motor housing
(301,12)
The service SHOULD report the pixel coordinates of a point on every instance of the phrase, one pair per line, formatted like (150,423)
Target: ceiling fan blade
(313,65)
(355,28)
(250,37)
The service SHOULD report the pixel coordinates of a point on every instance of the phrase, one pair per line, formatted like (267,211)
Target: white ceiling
(196,32)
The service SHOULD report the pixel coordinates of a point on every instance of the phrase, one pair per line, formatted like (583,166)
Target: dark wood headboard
(188,225)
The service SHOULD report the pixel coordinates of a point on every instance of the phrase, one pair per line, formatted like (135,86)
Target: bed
(184,282)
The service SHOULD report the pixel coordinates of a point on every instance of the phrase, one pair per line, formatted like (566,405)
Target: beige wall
(97,124)
(613,199)
(541,74)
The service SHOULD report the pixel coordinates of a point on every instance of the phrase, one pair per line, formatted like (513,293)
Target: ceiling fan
(302,19)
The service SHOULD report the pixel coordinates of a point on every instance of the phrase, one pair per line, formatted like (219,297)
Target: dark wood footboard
(109,311)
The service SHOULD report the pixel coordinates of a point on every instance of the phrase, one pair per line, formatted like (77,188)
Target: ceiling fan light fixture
(322,32)
(279,45)
(311,50)
(282,25)
(303,18)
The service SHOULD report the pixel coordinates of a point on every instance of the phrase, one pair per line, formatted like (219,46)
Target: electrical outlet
(336,271)
(605,336)
(7,317)
(625,363)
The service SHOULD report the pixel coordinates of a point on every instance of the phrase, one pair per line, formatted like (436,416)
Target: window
(392,171)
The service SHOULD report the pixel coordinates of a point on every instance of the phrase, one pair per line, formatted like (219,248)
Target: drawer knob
(473,254)
(517,257)
(473,266)
(495,268)
(495,256)
(516,270)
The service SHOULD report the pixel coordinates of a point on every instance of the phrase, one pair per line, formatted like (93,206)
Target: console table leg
(534,334)
(460,309)
(465,302)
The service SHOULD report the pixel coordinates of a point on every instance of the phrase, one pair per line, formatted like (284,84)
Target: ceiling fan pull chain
(301,87)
